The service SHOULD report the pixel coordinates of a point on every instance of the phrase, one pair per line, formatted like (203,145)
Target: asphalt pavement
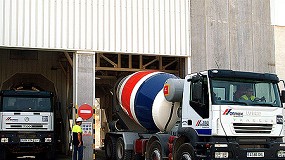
(99,155)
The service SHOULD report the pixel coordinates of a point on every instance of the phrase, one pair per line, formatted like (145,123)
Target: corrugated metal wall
(277,12)
(232,34)
(129,26)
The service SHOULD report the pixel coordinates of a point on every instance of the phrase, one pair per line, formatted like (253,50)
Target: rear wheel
(110,147)
(185,152)
(154,151)
(121,153)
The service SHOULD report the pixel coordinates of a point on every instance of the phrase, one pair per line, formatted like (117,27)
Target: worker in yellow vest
(248,95)
(77,139)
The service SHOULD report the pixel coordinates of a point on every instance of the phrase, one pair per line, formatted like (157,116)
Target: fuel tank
(141,97)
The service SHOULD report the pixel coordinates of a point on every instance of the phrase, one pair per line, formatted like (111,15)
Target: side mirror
(195,79)
(282,97)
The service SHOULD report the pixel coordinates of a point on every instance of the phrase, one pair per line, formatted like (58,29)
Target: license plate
(29,140)
(255,154)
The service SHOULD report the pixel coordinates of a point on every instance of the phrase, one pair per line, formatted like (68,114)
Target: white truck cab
(27,123)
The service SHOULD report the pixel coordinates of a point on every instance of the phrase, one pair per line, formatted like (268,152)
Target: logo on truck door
(233,113)
(202,123)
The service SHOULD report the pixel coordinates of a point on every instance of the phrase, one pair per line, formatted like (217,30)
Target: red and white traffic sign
(85,111)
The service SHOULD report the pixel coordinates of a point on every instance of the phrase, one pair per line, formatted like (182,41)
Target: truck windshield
(26,104)
(245,92)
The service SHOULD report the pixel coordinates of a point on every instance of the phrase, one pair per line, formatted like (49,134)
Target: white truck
(27,124)
(30,117)
(199,117)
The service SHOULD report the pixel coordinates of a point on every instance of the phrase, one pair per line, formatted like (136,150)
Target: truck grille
(252,128)
(26,126)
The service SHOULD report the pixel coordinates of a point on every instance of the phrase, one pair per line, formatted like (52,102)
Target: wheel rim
(186,156)
(155,155)
(120,151)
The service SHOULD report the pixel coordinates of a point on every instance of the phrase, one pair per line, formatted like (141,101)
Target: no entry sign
(85,111)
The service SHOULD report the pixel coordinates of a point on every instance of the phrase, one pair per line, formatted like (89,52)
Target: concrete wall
(232,34)
(279,32)
(278,20)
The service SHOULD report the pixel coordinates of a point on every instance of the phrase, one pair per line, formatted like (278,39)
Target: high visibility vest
(76,129)
(244,97)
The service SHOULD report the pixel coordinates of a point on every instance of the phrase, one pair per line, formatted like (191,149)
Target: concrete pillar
(84,93)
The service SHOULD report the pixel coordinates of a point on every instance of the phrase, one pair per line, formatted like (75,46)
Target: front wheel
(50,155)
(3,153)
(121,153)
(185,152)
(154,151)
(110,147)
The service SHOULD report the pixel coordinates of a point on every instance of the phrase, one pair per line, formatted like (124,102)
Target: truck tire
(154,151)
(110,148)
(50,155)
(138,157)
(3,153)
(121,153)
(185,152)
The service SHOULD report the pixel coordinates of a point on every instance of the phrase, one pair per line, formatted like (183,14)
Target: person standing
(77,139)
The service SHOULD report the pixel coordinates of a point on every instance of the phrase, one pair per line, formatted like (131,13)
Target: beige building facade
(278,21)
(279,32)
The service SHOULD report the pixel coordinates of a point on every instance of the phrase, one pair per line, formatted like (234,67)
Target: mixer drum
(141,97)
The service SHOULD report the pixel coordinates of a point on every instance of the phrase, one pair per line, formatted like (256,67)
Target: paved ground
(100,155)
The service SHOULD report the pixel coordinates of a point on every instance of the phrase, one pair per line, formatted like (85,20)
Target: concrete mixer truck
(199,117)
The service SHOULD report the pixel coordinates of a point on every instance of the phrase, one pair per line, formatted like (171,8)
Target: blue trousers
(80,152)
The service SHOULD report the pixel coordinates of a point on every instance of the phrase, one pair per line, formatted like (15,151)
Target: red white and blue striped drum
(141,97)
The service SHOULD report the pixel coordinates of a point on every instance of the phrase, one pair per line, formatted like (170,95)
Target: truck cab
(220,123)
(27,123)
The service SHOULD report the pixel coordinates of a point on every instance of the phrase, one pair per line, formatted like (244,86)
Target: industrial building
(85,46)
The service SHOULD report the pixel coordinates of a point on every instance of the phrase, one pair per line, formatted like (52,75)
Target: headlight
(279,119)
(280,153)
(4,140)
(47,139)
(221,154)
